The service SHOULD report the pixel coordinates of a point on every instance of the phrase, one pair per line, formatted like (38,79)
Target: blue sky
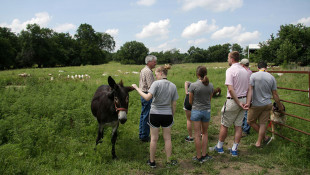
(162,24)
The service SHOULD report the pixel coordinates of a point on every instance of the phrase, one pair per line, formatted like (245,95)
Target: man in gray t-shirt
(263,86)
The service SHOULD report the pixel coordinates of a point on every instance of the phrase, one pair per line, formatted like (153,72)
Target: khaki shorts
(260,113)
(232,113)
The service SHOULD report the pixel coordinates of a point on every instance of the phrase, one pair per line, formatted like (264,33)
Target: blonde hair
(164,69)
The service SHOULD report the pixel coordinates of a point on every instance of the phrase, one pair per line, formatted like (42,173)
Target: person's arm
(234,96)
(186,87)
(191,98)
(249,97)
(146,97)
(277,99)
(173,106)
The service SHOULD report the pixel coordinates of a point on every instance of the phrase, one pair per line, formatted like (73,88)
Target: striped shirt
(146,79)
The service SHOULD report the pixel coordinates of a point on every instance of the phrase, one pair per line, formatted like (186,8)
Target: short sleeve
(229,78)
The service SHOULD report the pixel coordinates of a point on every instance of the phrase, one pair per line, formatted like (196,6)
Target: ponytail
(205,80)
(201,72)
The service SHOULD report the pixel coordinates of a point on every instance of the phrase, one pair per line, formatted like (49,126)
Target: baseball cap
(245,62)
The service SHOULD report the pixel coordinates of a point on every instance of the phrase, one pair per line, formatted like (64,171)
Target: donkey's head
(120,96)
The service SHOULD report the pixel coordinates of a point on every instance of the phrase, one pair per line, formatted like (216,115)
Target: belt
(238,97)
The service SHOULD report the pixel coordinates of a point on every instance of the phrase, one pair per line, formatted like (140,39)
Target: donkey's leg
(113,140)
(100,135)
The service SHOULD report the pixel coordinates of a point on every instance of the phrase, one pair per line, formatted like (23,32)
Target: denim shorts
(203,116)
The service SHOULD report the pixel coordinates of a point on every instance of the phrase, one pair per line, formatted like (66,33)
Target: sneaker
(206,158)
(145,139)
(172,163)
(195,159)
(218,150)
(268,140)
(152,164)
(233,153)
(189,139)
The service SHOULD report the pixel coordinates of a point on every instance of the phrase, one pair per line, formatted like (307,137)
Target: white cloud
(236,34)
(112,32)
(169,45)
(197,41)
(227,32)
(213,5)
(42,19)
(65,27)
(146,2)
(246,37)
(159,28)
(305,21)
(199,28)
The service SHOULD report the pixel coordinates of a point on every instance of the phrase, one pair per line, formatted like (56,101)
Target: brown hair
(234,55)
(202,72)
(164,69)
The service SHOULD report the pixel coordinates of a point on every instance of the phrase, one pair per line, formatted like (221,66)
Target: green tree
(218,53)
(65,49)
(132,52)
(9,48)
(286,53)
(90,44)
(36,46)
(106,42)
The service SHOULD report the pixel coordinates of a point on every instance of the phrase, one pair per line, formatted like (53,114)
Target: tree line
(44,47)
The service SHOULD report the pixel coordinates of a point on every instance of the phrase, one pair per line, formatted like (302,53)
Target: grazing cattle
(216,92)
(109,106)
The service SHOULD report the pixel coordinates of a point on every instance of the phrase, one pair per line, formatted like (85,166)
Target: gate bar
(301,104)
(295,116)
(291,127)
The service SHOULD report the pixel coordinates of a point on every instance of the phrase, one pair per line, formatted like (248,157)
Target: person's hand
(244,106)
(134,86)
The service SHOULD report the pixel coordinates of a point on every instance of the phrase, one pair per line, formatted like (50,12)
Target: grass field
(46,126)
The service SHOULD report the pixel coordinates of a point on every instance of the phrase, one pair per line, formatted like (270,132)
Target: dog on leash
(277,116)
(217,92)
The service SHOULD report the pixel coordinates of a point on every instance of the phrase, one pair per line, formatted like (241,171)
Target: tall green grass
(46,126)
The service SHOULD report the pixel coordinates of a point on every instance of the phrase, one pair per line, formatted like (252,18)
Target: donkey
(109,106)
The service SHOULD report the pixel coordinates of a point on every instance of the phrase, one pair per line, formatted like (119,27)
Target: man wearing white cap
(245,126)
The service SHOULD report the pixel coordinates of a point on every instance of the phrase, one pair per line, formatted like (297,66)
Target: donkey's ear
(111,82)
(130,88)
(121,83)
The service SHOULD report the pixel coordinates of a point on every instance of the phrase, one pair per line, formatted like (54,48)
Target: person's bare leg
(153,143)
(204,144)
(189,123)
(197,127)
(168,144)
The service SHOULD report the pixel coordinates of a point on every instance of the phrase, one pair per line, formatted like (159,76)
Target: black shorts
(187,106)
(157,120)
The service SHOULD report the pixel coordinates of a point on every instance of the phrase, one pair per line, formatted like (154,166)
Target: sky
(161,25)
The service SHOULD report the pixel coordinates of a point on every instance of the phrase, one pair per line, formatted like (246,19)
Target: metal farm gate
(295,103)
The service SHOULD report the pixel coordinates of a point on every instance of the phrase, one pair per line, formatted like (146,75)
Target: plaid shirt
(146,79)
